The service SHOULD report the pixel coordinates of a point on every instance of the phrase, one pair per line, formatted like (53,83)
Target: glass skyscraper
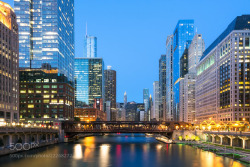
(90,46)
(182,35)
(89,80)
(46,34)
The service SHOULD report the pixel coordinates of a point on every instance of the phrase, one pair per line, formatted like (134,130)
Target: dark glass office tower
(162,88)
(110,86)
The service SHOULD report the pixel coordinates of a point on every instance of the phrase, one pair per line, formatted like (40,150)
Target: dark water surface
(124,150)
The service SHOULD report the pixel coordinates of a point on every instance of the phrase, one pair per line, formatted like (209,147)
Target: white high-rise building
(156,101)
(187,83)
(90,46)
(195,51)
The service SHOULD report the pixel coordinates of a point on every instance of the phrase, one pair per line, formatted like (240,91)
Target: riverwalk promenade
(232,152)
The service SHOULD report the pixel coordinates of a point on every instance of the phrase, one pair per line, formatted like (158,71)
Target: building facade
(90,46)
(162,87)
(90,114)
(195,51)
(110,86)
(89,80)
(184,32)
(187,101)
(169,79)
(9,58)
(46,34)
(189,60)
(45,96)
(156,101)
(223,75)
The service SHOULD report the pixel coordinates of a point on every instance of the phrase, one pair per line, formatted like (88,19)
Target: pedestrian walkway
(242,155)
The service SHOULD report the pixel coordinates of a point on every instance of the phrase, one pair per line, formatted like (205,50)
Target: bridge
(236,139)
(72,128)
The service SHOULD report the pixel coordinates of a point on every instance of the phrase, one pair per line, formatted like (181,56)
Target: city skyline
(141,25)
(193,111)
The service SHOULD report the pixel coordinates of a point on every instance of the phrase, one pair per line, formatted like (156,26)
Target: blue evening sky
(132,34)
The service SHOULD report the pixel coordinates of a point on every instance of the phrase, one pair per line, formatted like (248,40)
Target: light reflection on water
(124,151)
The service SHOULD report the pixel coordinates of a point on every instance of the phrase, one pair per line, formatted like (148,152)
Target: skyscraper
(189,60)
(184,32)
(90,46)
(156,101)
(110,86)
(89,80)
(46,34)
(195,51)
(9,78)
(125,99)
(162,86)
(223,75)
(169,79)
(146,103)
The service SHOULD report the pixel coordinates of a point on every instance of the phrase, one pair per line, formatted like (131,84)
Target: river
(123,150)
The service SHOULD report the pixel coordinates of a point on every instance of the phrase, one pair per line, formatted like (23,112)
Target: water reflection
(77,151)
(120,151)
(104,155)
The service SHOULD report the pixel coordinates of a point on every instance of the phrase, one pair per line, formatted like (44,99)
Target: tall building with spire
(90,45)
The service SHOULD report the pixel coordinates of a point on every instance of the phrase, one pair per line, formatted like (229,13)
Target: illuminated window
(30,91)
(54,101)
(45,91)
(46,96)
(22,91)
(30,105)
(45,101)
(45,86)
(46,80)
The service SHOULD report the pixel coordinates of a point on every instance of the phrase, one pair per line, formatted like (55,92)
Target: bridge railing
(21,129)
